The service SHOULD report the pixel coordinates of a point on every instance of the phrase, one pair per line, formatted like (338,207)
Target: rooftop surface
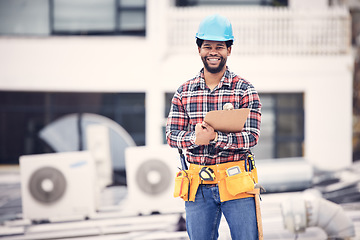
(113,222)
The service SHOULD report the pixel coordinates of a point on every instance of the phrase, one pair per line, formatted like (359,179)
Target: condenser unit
(150,174)
(58,186)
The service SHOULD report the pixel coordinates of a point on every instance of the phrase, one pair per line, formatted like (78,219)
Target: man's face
(214,55)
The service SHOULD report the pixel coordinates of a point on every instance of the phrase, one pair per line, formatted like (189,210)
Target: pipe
(310,210)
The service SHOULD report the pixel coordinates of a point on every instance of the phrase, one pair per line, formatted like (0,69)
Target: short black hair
(199,42)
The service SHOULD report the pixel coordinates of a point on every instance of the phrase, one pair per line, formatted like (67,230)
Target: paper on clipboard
(227,120)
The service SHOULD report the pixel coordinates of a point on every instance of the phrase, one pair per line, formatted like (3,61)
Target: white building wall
(136,64)
(74,64)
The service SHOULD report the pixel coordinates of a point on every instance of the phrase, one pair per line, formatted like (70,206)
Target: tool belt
(239,185)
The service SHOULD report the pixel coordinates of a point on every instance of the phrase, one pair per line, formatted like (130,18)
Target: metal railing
(267,30)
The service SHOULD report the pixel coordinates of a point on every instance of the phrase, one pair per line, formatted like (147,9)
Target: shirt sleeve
(249,136)
(178,134)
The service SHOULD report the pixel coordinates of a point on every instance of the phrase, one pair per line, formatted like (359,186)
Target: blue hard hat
(215,28)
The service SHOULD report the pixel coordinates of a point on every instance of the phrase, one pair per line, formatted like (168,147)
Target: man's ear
(229,50)
(199,50)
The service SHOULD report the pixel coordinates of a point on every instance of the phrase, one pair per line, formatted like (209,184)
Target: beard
(214,69)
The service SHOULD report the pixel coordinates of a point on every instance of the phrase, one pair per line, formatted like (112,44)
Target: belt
(220,179)
(230,187)
(208,185)
(218,169)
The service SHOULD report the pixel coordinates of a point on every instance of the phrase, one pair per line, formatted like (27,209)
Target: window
(83,17)
(282,126)
(131,17)
(98,17)
(168,98)
(72,17)
(22,17)
(183,3)
(24,114)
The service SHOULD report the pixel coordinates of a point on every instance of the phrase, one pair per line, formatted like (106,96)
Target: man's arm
(178,133)
(249,136)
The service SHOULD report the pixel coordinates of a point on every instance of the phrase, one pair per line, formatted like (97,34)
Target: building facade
(124,60)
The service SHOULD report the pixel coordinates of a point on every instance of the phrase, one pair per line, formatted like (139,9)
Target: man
(210,152)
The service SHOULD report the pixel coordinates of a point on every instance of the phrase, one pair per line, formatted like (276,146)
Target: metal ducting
(311,210)
(285,174)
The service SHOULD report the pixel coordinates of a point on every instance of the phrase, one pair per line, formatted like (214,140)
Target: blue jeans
(203,216)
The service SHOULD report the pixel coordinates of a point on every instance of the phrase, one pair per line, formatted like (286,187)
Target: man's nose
(213,52)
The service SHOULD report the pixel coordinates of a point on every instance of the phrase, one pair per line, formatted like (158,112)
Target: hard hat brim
(215,38)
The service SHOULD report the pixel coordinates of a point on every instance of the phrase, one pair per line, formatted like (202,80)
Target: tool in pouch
(182,160)
(237,181)
(207,174)
(182,181)
(250,165)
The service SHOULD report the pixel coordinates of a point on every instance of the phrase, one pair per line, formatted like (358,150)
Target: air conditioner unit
(150,177)
(58,186)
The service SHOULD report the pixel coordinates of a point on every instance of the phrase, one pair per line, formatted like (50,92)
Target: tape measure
(207,174)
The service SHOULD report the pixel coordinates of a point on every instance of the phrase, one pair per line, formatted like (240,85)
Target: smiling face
(214,55)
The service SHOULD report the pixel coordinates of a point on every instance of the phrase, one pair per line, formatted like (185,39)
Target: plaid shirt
(194,99)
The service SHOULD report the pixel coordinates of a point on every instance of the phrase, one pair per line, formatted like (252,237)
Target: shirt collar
(200,80)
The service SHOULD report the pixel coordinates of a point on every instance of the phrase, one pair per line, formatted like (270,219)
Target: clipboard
(227,120)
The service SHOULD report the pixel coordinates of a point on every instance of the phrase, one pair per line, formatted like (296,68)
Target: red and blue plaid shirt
(194,99)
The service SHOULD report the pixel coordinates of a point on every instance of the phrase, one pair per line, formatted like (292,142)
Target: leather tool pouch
(239,183)
(182,185)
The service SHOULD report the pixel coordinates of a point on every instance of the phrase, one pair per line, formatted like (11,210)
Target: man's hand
(204,133)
